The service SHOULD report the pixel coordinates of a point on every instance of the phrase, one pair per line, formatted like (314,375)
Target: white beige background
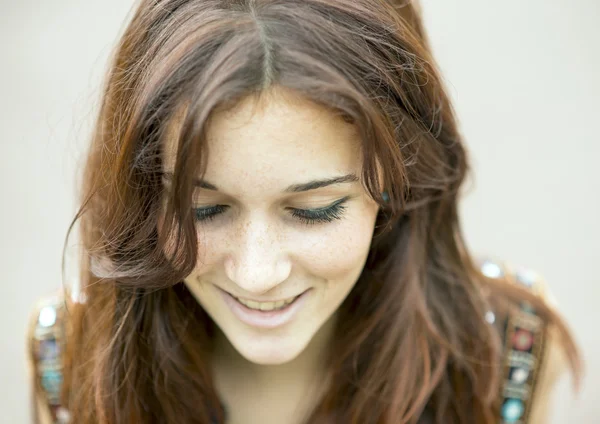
(524,78)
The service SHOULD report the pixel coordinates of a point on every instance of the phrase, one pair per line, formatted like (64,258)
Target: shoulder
(533,359)
(45,343)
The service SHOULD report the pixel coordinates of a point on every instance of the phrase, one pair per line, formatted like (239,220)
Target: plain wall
(523,79)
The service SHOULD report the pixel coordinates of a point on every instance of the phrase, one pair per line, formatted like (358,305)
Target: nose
(257,261)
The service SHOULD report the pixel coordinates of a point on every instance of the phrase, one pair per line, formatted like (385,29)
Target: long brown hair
(412,339)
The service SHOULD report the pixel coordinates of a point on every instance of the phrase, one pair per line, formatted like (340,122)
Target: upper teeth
(265,306)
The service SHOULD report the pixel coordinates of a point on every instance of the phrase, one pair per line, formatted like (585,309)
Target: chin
(269,349)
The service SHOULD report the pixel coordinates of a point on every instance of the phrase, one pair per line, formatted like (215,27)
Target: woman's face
(254,238)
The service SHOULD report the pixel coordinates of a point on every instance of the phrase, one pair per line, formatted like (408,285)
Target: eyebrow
(294,188)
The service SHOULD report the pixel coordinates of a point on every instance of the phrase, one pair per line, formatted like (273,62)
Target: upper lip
(260,301)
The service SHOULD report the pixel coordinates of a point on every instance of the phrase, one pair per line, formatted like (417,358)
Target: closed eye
(210,213)
(321,215)
(307,216)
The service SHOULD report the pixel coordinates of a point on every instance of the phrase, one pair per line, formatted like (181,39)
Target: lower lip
(264,319)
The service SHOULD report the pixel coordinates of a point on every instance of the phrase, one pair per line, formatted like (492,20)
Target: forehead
(275,141)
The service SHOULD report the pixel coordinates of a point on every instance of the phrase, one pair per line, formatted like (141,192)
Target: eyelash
(306,216)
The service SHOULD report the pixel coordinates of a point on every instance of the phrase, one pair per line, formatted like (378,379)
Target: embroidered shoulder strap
(524,334)
(46,348)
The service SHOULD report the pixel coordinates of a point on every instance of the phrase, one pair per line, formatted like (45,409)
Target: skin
(257,249)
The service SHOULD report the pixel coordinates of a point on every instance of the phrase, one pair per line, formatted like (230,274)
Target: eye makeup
(307,216)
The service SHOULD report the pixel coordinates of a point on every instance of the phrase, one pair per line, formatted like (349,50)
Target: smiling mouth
(271,316)
(267,306)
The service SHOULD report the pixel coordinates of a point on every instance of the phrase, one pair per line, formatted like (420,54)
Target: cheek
(336,253)
(333,251)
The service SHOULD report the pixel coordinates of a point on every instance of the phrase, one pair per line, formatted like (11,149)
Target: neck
(302,378)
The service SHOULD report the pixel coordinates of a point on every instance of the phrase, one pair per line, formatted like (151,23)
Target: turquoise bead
(512,410)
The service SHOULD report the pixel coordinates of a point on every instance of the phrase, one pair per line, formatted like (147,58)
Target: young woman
(270,232)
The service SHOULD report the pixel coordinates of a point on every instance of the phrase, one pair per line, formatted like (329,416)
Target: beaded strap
(47,343)
(524,346)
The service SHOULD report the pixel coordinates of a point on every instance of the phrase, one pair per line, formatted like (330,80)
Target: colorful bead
(522,340)
(512,410)
(47,317)
(51,381)
(519,375)
(526,276)
(63,415)
(48,350)
(491,269)
(528,308)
